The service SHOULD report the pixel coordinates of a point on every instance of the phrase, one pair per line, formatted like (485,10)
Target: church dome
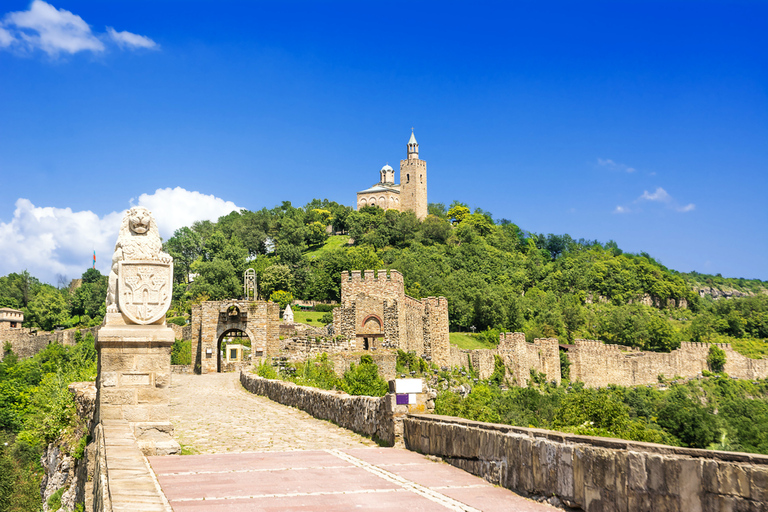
(387,168)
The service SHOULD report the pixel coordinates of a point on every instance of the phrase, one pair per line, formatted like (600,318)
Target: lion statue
(139,240)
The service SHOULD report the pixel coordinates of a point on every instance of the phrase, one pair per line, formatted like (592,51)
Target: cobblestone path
(212,413)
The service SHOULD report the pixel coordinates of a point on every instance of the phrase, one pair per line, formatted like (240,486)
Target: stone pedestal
(134,381)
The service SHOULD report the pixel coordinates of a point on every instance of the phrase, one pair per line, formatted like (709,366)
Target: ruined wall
(181,332)
(520,357)
(26,342)
(386,360)
(597,364)
(591,473)
(436,333)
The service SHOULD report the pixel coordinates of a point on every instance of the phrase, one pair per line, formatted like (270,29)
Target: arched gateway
(213,321)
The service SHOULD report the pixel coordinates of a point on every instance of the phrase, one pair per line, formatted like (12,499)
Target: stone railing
(592,473)
(377,417)
(122,478)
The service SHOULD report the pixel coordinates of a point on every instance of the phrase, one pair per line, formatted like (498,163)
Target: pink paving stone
(222,485)
(389,501)
(327,473)
(434,474)
(253,460)
(496,499)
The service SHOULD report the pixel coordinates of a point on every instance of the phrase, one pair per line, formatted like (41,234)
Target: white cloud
(658,195)
(6,39)
(175,208)
(614,166)
(127,39)
(48,241)
(56,31)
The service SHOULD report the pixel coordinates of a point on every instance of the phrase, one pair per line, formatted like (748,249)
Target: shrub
(364,379)
(716,359)
(266,370)
(325,308)
(178,320)
(181,352)
(327,318)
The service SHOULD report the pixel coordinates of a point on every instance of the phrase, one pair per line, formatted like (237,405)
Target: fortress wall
(373,283)
(436,329)
(26,343)
(592,473)
(597,364)
(521,357)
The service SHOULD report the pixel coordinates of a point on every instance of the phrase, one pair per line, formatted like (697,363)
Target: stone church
(408,195)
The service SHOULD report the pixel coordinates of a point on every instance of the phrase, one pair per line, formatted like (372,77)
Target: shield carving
(144,290)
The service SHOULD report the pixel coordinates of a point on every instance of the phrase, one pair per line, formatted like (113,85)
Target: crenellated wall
(376,311)
(597,364)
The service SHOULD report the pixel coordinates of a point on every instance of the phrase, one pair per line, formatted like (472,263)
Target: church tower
(413,181)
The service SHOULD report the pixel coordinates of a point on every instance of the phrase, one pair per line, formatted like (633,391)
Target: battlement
(412,163)
(695,344)
(435,302)
(371,275)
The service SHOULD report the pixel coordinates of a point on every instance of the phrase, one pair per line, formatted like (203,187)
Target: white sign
(403,386)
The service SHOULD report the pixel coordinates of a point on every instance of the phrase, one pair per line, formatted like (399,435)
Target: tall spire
(413,147)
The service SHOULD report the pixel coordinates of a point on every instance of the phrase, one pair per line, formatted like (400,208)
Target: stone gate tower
(413,181)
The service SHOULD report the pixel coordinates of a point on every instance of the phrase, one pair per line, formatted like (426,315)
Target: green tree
(716,359)
(48,309)
(281,297)
(276,277)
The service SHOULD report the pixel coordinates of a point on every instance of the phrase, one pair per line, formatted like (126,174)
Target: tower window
(407,178)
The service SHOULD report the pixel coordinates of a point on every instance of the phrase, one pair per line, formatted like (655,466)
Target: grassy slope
(332,243)
(468,341)
(308,317)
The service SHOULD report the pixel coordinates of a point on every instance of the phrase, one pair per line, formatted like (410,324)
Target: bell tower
(413,181)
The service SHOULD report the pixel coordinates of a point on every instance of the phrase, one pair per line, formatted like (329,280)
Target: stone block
(110,412)
(733,479)
(564,488)
(637,477)
(639,501)
(114,360)
(758,480)
(689,473)
(656,477)
(108,379)
(117,396)
(136,413)
(153,396)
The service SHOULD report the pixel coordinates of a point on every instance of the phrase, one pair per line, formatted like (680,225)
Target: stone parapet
(592,473)
(26,342)
(380,418)
(123,480)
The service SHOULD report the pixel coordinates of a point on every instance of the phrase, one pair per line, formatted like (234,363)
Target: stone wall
(365,415)
(260,320)
(376,308)
(591,473)
(597,364)
(377,417)
(519,356)
(181,332)
(27,342)
(374,283)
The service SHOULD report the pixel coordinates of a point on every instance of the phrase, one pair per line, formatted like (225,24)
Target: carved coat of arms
(144,290)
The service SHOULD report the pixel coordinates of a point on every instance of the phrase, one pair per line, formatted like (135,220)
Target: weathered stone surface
(594,474)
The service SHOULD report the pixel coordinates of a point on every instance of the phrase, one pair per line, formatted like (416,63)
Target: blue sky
(645,123)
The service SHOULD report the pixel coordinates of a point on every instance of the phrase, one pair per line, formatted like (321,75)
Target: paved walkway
(282,459)
(212,413)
